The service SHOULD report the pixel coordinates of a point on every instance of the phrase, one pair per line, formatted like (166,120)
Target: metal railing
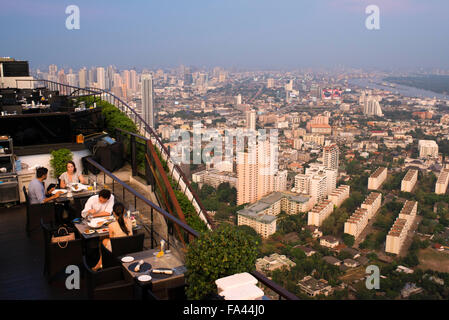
(170,219)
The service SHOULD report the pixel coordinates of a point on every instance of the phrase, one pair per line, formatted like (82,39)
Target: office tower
(125,79)
(147,99)
(256,170)
(331,154)
(428,148)
(82,77)
(133,80)
(251,119)
(101,78)
(92,77)
(270,83)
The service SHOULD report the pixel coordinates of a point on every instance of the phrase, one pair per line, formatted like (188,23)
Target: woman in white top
(71,176)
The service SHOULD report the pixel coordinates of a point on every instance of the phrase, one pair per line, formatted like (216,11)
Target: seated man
(36,189)
(99,205)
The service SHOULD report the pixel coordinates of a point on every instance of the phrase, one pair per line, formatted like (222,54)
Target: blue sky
(229,33)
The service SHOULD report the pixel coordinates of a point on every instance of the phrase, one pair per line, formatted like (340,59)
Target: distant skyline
(253,34)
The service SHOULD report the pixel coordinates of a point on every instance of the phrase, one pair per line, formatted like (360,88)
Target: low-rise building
(442,182)
(399,230)
(273,262)
(350,263)
(409,181)
(320,212)
(329,241)
(377,178)
(314,287)
(360,218)
(410,289)
(332,260)
(339,195)
(308,251)
(214,178)
(262,215)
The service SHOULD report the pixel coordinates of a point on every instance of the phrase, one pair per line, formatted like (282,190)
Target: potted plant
(58,161)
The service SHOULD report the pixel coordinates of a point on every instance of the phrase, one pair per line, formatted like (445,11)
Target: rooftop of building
(410,174)
(378,172)
(313,284)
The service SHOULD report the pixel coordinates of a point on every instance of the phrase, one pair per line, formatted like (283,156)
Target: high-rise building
(101,78)
(256,170)
(82,78)
(72,80)
(147,99)
(251,119)
(331,154)
(133,80)
(270,83)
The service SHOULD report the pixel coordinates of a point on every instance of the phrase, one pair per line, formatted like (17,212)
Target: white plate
(81,187)
(63,191)
(144,278)
(96,222)
(127,259)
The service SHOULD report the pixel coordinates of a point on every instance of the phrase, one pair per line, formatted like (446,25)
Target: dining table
(160,284)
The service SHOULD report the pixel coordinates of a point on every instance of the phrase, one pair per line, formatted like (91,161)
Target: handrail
(274,286)
(144,199)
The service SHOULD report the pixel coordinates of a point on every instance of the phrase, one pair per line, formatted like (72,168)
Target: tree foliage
(216,254)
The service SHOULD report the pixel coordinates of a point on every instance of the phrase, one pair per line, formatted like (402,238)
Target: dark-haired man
(99,205)
(36,189)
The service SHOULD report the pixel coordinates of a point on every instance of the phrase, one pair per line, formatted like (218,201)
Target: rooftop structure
(314,287)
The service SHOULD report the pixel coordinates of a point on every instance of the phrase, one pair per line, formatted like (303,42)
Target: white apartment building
(428,148)
(377,178)
(331,155)
(398,232)
(442,182)
(360,218)
(339,195)
(409,181)
(316,138)
(262,215)
(214,178)
(256,170)
(320,212)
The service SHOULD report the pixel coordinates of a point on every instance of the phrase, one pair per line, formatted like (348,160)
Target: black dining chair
(113,283)
(36,212)
(59,256)
(121,246)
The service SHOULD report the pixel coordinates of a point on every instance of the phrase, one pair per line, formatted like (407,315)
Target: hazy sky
(229,33)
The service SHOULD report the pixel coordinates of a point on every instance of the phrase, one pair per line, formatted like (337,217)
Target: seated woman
(71,176)
(121,227)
